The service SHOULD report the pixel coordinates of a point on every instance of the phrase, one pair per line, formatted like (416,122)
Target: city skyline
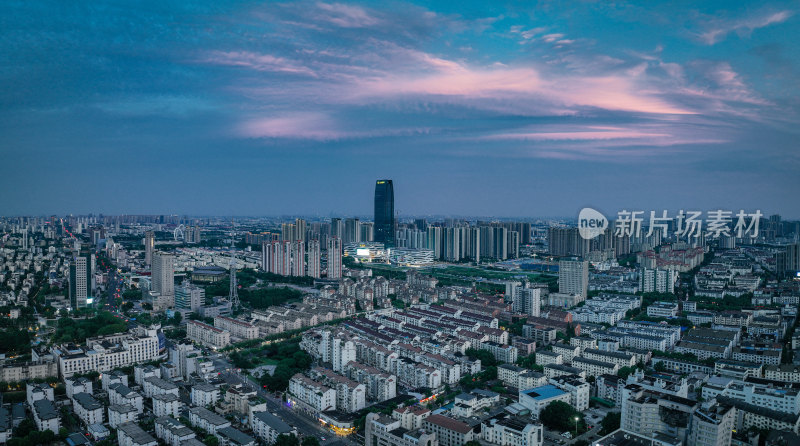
(472,109)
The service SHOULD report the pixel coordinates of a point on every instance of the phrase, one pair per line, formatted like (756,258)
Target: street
(304,424)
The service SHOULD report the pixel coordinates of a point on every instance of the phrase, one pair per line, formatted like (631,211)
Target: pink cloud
(312,126)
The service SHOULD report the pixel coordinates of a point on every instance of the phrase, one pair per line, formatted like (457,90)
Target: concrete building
(573,278)
(663,309)
(506,430)
(268,427)
(166,404)
(204,394)
(448,431)
(87,408)
(130,434)
(207,335)
(538,398)
(381,430)
(172,432)
(119,414)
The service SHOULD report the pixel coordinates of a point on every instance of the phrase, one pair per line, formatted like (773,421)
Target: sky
(472,107)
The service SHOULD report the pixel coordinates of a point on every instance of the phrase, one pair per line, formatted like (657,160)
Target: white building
(504,430)
(118,414)
(657,280)
(204,394)
(663,309)
(122,395)
(172,432)
(207,335)
(130,434)
(45,415)
(315,395)
(207,420)
(113,377)
(237,328)
(166,404)
(268,427)
(87,408)
(107,353)
(538,398)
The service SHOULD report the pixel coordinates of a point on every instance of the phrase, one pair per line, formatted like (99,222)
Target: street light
(576,427)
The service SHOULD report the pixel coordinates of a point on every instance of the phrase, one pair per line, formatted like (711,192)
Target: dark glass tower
(384,212)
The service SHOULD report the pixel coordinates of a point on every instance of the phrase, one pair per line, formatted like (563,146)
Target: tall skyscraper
(80,279)
(163,278)
(334,258)
(285,258)
(298,258)
(313,258)
(352,230)
(300,229)
(337,228)
(384,212)
(149,245)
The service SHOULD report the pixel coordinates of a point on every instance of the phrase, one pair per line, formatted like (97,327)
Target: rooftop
(544,392)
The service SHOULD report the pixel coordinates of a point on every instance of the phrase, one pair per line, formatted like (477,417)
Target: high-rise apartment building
(657,280)
(80,278)
(384,212)
(524,299)
(149,246)
(298,258)
(313,259)
(337,228)
(163,279)
(334,258)
(352,230)
(573,277)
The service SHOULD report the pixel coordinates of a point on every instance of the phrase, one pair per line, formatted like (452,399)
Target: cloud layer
(695,93)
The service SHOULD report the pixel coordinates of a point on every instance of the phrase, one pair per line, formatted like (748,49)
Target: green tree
(310,440)
(611,423)
(561,416)
(287,440)
(211,440)
(625,371)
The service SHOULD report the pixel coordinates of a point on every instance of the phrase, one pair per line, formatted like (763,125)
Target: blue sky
(472,108)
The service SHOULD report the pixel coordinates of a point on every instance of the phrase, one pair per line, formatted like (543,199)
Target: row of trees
(77,330)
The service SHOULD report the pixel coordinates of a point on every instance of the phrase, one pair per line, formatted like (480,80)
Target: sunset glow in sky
(472,108)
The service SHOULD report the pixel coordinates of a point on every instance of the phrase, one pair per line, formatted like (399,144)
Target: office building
(189,296)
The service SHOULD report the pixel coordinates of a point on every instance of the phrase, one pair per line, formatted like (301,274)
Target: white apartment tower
(334,258)
(313,258)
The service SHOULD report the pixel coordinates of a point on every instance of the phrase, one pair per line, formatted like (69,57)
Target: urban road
(305,424)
